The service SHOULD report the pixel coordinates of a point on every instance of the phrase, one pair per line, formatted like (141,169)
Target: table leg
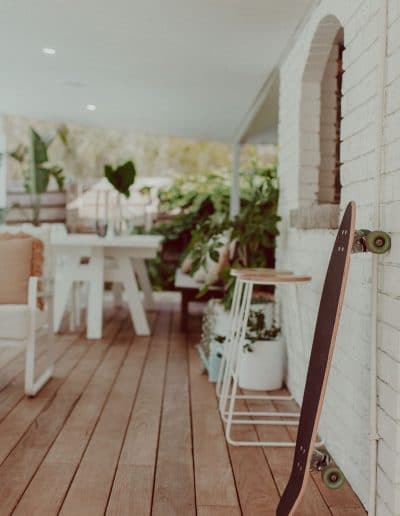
(140,268)
(133,296)
(62,289)
(95,298)
(117,294)
(184,310)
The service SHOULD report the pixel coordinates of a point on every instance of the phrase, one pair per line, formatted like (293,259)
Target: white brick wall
(345,418)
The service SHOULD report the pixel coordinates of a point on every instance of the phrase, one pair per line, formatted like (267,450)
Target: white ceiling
(179,67)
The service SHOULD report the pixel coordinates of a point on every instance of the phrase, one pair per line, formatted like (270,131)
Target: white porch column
(235,187)
(3,168)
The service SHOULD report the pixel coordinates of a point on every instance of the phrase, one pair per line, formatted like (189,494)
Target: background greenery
(196,213)
(83,151)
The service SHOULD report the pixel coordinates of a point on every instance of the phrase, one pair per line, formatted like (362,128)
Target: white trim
(235,179)
(256,105)
(380,128)
(3,168)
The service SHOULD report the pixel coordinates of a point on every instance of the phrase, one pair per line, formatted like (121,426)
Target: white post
(235,188)
(3,168)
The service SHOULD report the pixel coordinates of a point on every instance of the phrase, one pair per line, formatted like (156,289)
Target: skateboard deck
(320,362)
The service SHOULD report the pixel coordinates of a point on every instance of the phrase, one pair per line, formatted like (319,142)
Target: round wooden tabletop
(259,270)
(268,279)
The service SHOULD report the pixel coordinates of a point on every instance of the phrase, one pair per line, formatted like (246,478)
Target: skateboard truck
(331,475)
(377,242)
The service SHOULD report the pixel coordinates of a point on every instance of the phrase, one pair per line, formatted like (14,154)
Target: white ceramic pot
(263,368)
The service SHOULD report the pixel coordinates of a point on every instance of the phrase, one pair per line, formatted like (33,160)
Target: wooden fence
(19,206)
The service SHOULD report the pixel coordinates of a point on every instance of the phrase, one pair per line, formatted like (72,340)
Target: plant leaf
(121,177)
(63,133)
(57,173)
(39,149)
(203,290)
(19,154)
(42,178)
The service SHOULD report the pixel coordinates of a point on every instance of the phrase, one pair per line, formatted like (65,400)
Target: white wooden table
(128,254)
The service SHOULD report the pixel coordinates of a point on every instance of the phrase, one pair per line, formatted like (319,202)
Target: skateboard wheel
(333,477)
(378,242)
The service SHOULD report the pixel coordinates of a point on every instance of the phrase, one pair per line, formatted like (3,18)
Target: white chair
(20,325)
(44,232)
(75,296)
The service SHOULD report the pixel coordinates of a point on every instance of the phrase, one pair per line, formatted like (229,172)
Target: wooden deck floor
(129,426)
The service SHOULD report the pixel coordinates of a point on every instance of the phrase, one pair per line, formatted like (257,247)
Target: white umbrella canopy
(178,67)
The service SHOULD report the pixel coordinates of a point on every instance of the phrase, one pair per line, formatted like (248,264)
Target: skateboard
(347,241)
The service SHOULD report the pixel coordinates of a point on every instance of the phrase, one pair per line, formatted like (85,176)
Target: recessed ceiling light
(49,51)
(91,107)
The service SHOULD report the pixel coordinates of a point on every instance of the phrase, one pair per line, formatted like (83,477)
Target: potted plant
(263,355)
(215,326)
(253,230)
(37,171)
(122,178)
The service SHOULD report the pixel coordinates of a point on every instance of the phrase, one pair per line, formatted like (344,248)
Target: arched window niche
(320,120)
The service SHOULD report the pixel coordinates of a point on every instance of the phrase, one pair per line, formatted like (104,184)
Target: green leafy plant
(146,190)
(257,329)
(207,239)
(36,169)
(188,203)
(196,209)
(253,230)
(121,177)
(255,227)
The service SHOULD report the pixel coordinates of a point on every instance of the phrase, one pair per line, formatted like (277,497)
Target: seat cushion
(14,321)
(37,254)
(15,269)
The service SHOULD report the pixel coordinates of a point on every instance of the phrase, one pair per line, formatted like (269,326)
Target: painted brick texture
(345,419)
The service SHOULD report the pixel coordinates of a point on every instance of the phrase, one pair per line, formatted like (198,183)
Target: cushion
(37,250)
(43,234)
(37,255)
(15,269)
(38,233)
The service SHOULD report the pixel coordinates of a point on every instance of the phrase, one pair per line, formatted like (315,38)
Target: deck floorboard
(130,426)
